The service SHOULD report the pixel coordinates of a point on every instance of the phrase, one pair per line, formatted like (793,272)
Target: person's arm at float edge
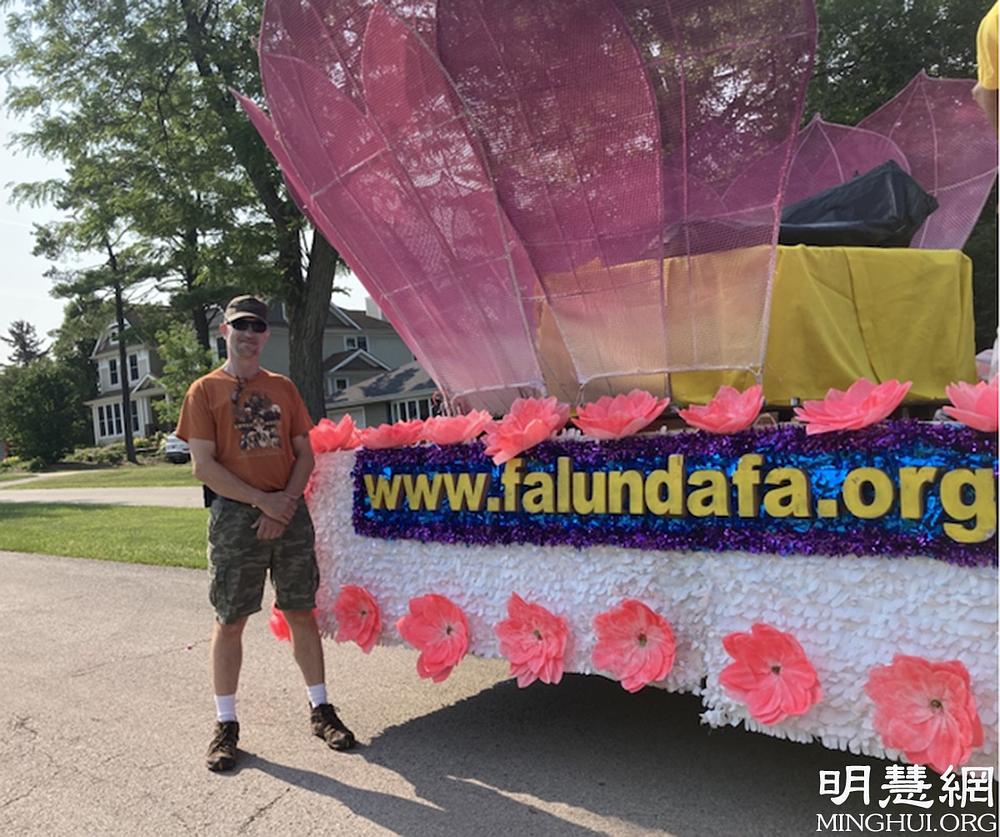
(302,468)
(275,504)
(987,100)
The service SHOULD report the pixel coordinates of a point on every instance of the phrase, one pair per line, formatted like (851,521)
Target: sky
(24,290)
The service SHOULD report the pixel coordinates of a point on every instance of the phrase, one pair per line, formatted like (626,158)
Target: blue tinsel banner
(825,461)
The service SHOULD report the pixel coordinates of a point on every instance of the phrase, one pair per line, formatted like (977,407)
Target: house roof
(353,360)
(147,385)
(134,324)
(405,382)
(348,318)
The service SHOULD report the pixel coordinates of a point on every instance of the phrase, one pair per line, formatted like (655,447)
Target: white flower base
(849,613)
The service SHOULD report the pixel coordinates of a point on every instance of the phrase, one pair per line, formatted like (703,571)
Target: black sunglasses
(256,326)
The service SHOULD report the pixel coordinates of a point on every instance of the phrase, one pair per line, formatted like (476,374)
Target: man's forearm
(226,484)
(300,474)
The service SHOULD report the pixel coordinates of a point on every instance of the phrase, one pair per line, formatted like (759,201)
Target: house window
(358,342)
(414,408)
(113,371)
(119,431)
(135,416)
(133,367)
(113,336)
(100,420)
(340,384)
(220,348)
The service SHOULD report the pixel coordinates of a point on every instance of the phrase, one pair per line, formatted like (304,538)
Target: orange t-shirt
(253,430)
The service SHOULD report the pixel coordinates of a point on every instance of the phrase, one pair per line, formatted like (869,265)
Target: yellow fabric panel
(843,313)
(986,49)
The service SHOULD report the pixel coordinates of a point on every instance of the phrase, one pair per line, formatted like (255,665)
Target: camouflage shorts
(238,562)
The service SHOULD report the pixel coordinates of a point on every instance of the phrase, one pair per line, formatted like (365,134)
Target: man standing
(248,430)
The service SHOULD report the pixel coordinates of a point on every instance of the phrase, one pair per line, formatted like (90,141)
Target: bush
(113,454)
(11,463)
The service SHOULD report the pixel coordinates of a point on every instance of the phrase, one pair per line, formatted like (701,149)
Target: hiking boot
(326,725)
(222,751)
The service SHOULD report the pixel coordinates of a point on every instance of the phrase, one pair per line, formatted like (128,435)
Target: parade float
(571,210)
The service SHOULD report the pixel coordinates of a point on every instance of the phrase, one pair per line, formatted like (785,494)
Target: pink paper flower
(926,710)
(327,436)
(358,617)
(534,641)
(863,404)
(975,405)
(438,629)
(634,643)
(530,421)
(453,430)
(279,625)
(770,674)
(396,435)
(729,412)
(623,415)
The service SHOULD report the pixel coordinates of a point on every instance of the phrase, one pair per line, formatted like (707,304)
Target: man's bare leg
(308,650)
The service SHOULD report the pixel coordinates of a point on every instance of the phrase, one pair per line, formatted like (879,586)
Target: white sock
(225,708)
(317,694)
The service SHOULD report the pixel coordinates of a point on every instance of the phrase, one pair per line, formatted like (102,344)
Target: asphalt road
(177,496)
(105,711)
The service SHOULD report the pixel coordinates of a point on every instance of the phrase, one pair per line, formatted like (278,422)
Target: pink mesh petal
(388,161)
(951,149)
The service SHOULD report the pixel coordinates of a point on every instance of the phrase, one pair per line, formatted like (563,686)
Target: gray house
(397,395)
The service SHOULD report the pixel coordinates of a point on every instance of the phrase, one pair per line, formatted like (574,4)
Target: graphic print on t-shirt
(257,422)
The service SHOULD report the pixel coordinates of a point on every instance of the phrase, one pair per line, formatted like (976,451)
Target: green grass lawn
(134,534)
(7,476)
(124,476)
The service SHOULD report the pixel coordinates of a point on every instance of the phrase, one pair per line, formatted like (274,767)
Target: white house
(142,365)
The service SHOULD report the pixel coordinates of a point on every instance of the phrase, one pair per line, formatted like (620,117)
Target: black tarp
(883,207)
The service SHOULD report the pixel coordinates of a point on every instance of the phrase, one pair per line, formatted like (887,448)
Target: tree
(24,342)
(867,53)
(184,360)
(143,91)
(40,413)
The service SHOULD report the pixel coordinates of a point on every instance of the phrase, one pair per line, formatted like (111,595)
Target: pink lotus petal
(863,404)
(453,430)
(975,405)
(634,643)
(729,412)
(534,642)
(358,617)
(926,710)
(530,421)
(396,435)
(327,436)
(770,674)
(623,415)
(438,628)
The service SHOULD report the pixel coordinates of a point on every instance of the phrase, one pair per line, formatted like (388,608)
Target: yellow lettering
(912,482)
(539,493)
(790,495)
(713,498)
(510,480)
(671,480)
(590,493)
(421,492)
(883,493)
(564,470)
(746,478)
(982,511)
(463,494)
(382,493)
(618,482)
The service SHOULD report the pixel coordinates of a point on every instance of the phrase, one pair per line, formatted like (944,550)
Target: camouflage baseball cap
(241,307)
